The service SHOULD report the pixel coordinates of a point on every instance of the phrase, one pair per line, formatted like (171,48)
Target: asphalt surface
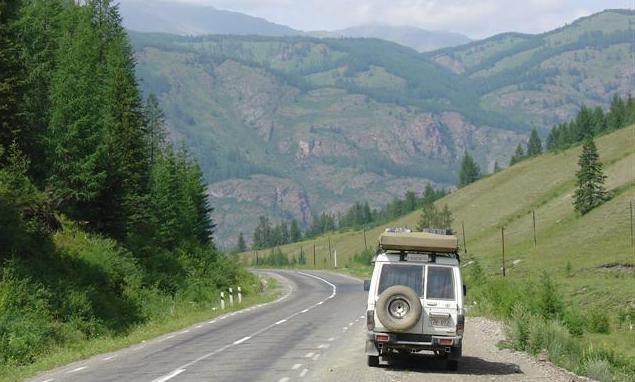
(279,341)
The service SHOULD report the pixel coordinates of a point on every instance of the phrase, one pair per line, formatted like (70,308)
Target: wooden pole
(464,240)
(314,263)
(366,245)
(632,231)
(330,253)
(301,254)
(533,214)
(503,242)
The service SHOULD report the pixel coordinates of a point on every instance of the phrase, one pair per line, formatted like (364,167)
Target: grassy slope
(545,184)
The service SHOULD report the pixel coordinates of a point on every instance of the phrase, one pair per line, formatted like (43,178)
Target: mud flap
(371,348)
(456,353)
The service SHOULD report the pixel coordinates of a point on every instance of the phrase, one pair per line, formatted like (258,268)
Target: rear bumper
(413,342)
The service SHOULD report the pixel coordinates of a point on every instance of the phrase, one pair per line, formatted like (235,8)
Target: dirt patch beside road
(482,361)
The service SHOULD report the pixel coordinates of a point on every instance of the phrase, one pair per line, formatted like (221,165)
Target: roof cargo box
(418,241)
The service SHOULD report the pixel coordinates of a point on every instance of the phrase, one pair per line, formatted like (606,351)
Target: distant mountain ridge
(419,39)
(187,19)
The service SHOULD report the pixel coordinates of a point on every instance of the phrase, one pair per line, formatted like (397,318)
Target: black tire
(452,365)
(398,308)
(373,361)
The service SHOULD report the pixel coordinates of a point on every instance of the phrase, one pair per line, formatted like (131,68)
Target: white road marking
(49,380)
(281,322)
(345,328)
(309,355)
(323,346)
(304,311)
(169,376)
(315,358)
(240,341)
(331,339)
(199,326)
(350,323)
(320,303)
(211,322)
(78,369)
(109,358)
(361,316)
(296,366)
(285,379)
(303,373)
(170,336)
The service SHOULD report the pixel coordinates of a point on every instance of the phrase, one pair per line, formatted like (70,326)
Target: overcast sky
(476,18)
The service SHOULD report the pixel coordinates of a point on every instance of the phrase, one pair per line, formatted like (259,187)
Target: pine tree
(590,191)
(518,156)
(534,146)
(496,167)
(470,172)
(241,246)
(294,232)
(155,126)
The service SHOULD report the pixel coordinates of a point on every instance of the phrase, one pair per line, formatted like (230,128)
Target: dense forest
(359,215)
(104,226)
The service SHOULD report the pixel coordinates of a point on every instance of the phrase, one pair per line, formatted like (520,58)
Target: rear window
(397,274)
(440,283)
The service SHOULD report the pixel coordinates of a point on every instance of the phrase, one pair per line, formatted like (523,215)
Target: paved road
(280,341)
(315,332)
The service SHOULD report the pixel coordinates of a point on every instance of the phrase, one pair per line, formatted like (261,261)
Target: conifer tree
(294,232)
(241,246)
(534,146)
(518,156)
(470,172)
(590,191)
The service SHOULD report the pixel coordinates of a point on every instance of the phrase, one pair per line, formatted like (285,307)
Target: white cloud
(477,18)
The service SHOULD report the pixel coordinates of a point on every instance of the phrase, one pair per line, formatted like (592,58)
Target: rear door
(410,275)
(440,301)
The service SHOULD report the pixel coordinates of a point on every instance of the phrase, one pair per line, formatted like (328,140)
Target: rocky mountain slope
(292,126)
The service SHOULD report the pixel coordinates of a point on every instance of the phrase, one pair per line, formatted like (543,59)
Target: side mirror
(464,290)
(366,285)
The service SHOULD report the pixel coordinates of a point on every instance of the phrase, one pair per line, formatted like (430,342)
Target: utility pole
(330,253)
(533,214)
(503,241)
(366,245)
(314,263)
(632,231)
(464,240)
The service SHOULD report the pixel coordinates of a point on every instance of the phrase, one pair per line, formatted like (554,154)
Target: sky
(475,18)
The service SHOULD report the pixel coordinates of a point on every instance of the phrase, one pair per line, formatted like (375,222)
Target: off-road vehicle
(415,297)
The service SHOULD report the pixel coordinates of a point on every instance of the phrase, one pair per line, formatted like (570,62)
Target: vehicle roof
(418,241)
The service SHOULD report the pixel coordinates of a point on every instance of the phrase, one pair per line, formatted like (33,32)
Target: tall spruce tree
(590,191)
(534,146)
(470,172)
(241,246)
(294,232)
(518,156)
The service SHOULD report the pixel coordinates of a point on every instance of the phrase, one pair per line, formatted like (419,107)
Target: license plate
(440,321)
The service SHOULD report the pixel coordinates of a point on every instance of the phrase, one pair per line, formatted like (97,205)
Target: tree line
(359,215)
(591,122)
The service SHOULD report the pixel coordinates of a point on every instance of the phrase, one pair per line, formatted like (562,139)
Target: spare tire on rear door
(398,308)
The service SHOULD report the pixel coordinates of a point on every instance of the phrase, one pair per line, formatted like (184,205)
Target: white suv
(415,297)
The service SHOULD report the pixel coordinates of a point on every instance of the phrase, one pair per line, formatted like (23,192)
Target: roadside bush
(599,322)
(365,257)
(549,299)
(575,322)
(598,369)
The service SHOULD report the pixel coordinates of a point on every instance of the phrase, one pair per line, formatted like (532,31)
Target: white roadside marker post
(335,255)
(240,296)
(222,300)
(231,297)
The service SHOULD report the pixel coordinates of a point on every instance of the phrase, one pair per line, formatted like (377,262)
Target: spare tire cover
(398,308)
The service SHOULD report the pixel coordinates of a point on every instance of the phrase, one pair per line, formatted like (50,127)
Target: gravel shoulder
(482,361)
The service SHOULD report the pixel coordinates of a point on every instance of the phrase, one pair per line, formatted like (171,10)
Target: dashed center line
(285,379)
(303,373)
(169,376)
(49,380)
(240,341)
(323,346)
(296,366)
(331,339)
(170,336)
(315,358)
(109,358)
(211,322)
(309,355)
(199,326)
(350,323)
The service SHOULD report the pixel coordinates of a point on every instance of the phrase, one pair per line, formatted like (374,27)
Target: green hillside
(289,127)
(590,244)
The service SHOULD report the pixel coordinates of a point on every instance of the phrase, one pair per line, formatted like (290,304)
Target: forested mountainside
(292,126)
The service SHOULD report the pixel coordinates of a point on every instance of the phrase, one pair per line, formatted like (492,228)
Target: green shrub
(575,321)
(549,299)
(599,322)
(598,369)
(365,257)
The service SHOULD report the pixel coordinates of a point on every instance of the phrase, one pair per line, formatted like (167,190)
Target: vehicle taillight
(370,319)
(460,324)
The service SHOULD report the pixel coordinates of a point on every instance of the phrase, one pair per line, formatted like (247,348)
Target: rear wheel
(373,361)
(452,365)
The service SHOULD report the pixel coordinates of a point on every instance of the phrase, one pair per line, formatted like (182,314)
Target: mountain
(543,79)
(189,19)
(416,38)
(293,126)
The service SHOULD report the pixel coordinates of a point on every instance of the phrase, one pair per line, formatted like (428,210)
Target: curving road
(315,332)
(279,341)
